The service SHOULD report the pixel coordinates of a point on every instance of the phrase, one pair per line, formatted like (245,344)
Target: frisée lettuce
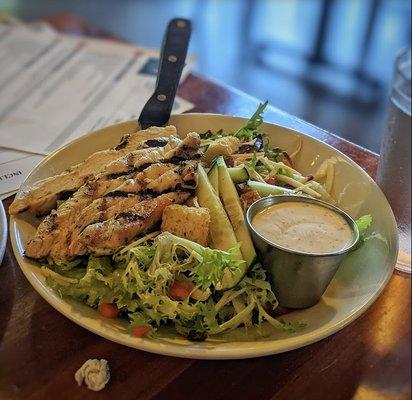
(137,279)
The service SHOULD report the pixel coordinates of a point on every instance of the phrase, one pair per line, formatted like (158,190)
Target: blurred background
(326,61)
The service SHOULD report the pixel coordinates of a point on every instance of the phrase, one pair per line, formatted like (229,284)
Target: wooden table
(40,349)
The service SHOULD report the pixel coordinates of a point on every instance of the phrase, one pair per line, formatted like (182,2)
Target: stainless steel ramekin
(299,279)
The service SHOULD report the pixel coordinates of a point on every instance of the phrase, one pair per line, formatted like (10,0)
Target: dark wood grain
(40,349)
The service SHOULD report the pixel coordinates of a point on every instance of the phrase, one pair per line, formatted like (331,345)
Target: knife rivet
(172,59)
(181,24)
(161,97)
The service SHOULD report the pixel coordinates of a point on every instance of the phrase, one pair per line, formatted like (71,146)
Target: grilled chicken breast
(53,233)
(170,177)
(98,211)
(106,237)
(144,172)
(44,195)
(51,236)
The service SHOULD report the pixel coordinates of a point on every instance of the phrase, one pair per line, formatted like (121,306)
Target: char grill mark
(130,217)
(119,174)
(66,194)
(174,160)
(123,143)
(181,188)
(150,193)
(161,142)
(117,193)
(190,183)
(180,159)
(142,167)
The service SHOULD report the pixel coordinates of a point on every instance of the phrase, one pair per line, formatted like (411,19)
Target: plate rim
(171,349)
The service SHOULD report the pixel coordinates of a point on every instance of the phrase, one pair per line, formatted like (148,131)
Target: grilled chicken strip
(152,179)
(187,151)
(181,178)
(98,211)
(53,236)
(106,207)
(106,237)
(44,195)
(58,225)
(55,228)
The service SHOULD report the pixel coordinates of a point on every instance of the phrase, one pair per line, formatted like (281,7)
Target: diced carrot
(180,290)
(139,331)
(271,180)
(108,310)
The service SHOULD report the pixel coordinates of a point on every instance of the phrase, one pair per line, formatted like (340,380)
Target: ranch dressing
(304,227)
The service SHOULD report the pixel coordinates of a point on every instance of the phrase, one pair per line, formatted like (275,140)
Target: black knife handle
(156,111)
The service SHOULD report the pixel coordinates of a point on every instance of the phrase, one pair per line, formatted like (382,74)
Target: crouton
(224,146)
(187,222)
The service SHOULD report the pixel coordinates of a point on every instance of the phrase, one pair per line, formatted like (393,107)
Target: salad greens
(212,135)
(164,280)
(363,223)
(274,154)
(137,279)
(270,164)
(251,130)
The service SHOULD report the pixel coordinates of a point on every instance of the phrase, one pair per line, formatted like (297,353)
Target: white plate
(355,287)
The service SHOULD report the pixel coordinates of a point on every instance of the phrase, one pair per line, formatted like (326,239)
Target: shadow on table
(7,292)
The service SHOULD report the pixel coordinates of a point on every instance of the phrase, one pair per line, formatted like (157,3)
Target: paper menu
(71,86)
(15,169)
(60,87)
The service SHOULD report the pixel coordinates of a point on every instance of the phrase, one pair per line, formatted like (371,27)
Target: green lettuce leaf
(363,224)
(207,266)
(251,129)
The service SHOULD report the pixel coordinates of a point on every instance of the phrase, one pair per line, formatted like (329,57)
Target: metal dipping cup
(298,279)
